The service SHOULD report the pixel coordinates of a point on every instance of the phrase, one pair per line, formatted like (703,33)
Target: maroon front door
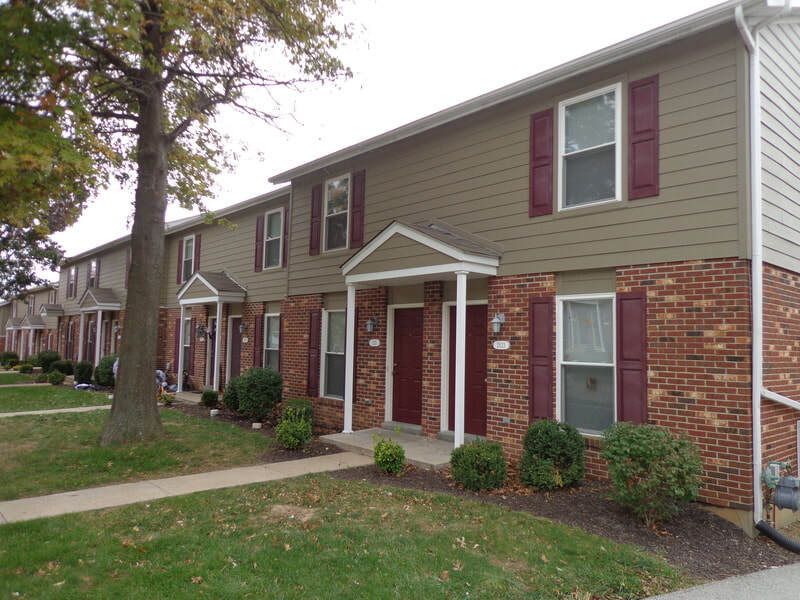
(407,387)
(236,348)
(474,371)
(91,338)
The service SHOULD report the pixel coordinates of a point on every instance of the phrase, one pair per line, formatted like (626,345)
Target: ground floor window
(333,334)
(272,341)
(586,361)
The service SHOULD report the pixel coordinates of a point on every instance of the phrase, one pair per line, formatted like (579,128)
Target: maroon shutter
(258,345)
(192,344)
(127,266)
(258,259)
(285,240)
(541,164)
(179,279)
(280,343)
(316,220)
(177,345)
(632,357)
(357,209)
(540,358)
(314,331)
(643,138)
(196,262)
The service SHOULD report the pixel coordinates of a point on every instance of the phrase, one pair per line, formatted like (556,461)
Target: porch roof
(206,286)
(32,322)
(13,323)
(51,310)
(99,299)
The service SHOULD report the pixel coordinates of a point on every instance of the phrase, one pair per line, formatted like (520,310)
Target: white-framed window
(333,334)
(272,341)
(586,361)
(336,212)
(91,276)
(589,159)
(51,296)
(273,239)
(72,281)
(188,257)
(31,304)
(187,342)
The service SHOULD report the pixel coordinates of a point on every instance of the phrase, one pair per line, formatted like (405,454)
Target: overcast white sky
(409,58)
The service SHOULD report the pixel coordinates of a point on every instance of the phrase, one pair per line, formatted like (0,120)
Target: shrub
(209,398)
(104,373)
(233,392)
(260,392)
(292,433)
(26,368)
(41,378)
(46,358)
(299,408)
(653,473)
(65,366)
(56,377)
(552,456)
(167,399)
(83,371)
(9,359)
(389,456)
(479,465)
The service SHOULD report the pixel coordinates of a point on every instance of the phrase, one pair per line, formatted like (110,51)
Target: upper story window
(31,305)
(336,211)
(188,257)
(91,275)
(273,232)
(52,296)
(589,148)
(72,282)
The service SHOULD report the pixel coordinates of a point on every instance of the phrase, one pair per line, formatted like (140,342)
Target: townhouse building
(617,238)
(30,321)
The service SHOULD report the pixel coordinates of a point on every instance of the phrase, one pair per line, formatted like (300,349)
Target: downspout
(756,242)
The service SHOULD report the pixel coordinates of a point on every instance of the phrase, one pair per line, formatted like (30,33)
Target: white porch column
(461,339)
(80,337)
(179,358)
(30,342)
(217,336)
(98,338)
(349,354)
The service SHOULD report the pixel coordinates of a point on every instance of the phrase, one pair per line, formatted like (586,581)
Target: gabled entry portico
(205,288)
(93,303)
(402,254)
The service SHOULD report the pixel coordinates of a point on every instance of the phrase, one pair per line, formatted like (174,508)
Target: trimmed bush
(292,433)
(552,456)
(41,378)
(56,377)
(104,373)
(232,392)
(46,358)
(65,366)
(26,368)
(167,399)
(83,371)
(479,465)
(389,456)
(9,359)
(260,393)
(209,398)
(299,408)
(654,474)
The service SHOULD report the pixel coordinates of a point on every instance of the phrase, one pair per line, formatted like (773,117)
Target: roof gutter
(751,41)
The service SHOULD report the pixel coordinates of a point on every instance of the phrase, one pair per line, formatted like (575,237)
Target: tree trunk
(134,413)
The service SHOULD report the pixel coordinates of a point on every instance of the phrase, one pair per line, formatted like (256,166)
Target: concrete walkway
(15,385)
(54,411)
(423,452)
(25,509)
(780,583)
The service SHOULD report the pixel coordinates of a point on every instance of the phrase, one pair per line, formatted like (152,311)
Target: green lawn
(346,540)
(47,397)
(56,453)
(8,378)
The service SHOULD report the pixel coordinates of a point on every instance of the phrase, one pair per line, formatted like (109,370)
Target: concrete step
(426,453)
(404,427)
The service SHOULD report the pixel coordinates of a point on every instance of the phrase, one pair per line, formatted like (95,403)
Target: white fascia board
(96,307)
(444,269)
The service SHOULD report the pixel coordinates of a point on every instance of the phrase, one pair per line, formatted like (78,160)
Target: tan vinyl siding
(400,252)
(198,289)
(474,174)
(112,276)
(780,135)
(223,248)
(586,282)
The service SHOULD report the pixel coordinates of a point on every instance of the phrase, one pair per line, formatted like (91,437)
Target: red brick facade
(370,375)
(433,295)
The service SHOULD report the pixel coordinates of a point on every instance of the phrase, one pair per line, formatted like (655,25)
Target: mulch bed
(277,454)
(703,544)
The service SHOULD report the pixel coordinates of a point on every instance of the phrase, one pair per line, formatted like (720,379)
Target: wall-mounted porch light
(372,324)
(201,331)
(497,322)
(242,327)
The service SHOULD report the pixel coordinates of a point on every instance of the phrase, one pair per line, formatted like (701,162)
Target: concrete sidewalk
(55,411)
(109,496)
(780,583)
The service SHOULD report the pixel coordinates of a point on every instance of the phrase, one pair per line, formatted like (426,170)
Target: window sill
(336,251)
(562,209)
(332,398)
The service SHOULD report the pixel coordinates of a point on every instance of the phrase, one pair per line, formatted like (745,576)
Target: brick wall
(507,370)
(433,294)
(781,364)
(698,336)
(369,391)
